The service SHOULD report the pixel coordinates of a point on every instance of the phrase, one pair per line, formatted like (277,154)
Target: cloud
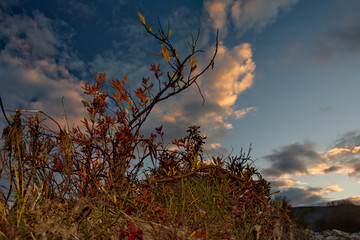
(344,156)
(339,42)
(37,67)
(332,169)
(351,138)
(35,54)
(326,109)
(341,35)
(291,159)
(303,196)
(258,14)
(233,73)
(245,14)
(218,12)
(302,159)
(354,200)
(241,113)
(308,196)
(286,183)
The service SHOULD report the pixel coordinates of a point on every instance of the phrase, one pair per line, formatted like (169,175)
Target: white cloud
(36,67)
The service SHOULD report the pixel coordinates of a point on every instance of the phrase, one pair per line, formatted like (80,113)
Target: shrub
(84,182)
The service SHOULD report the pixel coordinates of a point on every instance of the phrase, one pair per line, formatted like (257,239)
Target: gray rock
(331,238)
(336,235)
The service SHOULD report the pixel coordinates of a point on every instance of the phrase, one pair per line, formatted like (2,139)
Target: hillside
(343,216)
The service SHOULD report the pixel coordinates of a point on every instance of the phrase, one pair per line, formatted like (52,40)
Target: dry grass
(83,183)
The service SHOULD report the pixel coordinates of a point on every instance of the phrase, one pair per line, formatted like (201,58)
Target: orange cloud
(355,200)
(335,152)
(285,183)
(241,113)
(232,75)
(333,188)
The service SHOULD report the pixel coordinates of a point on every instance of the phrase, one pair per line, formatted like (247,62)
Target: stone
(335,235)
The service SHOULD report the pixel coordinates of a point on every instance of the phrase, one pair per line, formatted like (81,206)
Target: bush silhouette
(84,182)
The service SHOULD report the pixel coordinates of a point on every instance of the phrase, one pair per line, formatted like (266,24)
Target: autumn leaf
(142,18)
(165,53)
(192,61)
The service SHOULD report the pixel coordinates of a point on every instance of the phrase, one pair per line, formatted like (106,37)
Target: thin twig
(3,111)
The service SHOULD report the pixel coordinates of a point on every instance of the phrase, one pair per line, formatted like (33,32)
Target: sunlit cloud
(330,189)
(291,159)
(302,159)
(304,196)
(233,73)
(354,200)
(241,113)
(285,183)
(301,196)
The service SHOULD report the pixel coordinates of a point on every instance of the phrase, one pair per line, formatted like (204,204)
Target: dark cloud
(344,41)
(351,138)
(354,165)
(291,159)
(332,169)
(303,197)
(325,109)
(341,36)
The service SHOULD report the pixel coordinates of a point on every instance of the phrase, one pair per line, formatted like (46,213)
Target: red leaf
(132,228)
(123,233)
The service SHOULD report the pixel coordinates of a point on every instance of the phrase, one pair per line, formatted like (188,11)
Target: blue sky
(286,77)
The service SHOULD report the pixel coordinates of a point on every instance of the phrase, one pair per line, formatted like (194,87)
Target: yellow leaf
(156,54)
(126,78)
(192,61)
(169,34)
(165,53)
(142,18)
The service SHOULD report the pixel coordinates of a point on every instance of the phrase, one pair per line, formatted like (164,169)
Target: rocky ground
(336,235)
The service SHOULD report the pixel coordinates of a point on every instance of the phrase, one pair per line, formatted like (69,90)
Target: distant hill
(342,216)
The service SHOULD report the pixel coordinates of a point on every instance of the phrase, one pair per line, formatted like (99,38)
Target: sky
(285,79)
